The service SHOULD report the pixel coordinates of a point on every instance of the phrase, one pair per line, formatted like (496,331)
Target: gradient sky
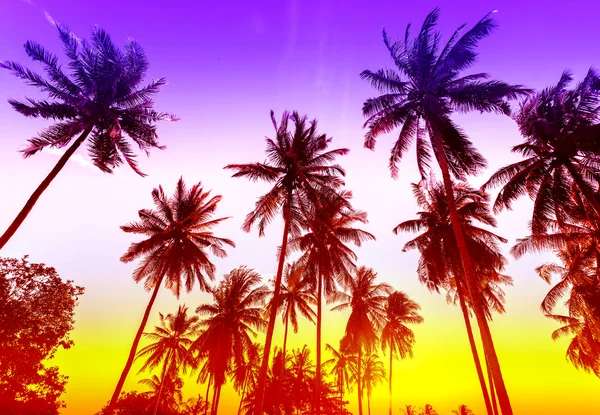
(227,66)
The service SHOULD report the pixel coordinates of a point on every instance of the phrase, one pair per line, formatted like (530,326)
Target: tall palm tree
(302,370)
(101,98)
(420,97)
(366,301)
(373,375)
(250,369)
(396,335)
(179,237)
(231,321)
(341,365)
(562,145)
(171,341)
(440,265)
(301,169)
(326,257)
(462,410)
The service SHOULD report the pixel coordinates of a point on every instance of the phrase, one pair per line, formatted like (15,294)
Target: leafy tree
(36,317)
(419,97)
(373,375)
(131,403)
(101,99)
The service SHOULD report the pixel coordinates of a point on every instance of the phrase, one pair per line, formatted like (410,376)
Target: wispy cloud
(49,18)
(29,2)
(77,158)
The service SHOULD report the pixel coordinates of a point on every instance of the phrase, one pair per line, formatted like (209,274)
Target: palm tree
(366,301)
(373,375)
(101,98)
(428,410)
(301,169)
(302,371)
(178,235)
(409,410)
(440,264)
(396,335)
(249,370)
(341,364)
(561,146)
(171,341)
(326,257)
(462,410)
(170,389)
(230,323)
(420,97)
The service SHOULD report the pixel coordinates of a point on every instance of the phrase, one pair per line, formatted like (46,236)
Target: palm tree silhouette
(178,235)
(373,375)
(420,97)
(326,256)
(170,390)
(428,410)
(440,265)
(301,168)
(341,364)
(101,98)
(249,371)
(171,341)
(396,335)
(462,410)
(561,129)
(366,301)
(230,323)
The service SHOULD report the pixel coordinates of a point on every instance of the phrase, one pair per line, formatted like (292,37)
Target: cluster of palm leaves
(101,101)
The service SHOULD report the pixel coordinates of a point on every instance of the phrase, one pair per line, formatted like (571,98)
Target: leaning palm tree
(396,335)
(341,365)
(561,130)
(326,257)
(373,375)
(179,238)
(366,301)
(301,169)
(440,266)
(231,322)
(170,343)
(101,98)
(420,97)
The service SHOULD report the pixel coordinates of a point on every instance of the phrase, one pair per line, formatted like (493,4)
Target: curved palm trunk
(484,329)
(162,383)
(480,376)
(318,367)
(359,380)
(262,375)
(391,365)
(18,221)
(492,393)
(591,198)
(133,350)
(210,378)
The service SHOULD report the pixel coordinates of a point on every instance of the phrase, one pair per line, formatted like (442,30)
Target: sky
(228,65)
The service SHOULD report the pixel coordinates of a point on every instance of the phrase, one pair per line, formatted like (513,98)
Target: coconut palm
(340,367)
(301,169)
(326,257)
(409,410)
(440,265)
(562,146)
(178,239)
(373,375)
(170,343)
(428,410)
(101,98)
(249,372)
(420,97)
(462,410)
(366,301)
(170,390)
(396,335)
(231,322)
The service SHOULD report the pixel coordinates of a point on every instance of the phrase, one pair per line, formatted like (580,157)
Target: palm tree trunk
(484,329)
(216,401)
(319,321)
(210,378)
(465,313)
(18,221)
(368,403)
(133,350)
(243,395)
(262,375)
(359,380)
(341,386)
(162,383)
(283,356)
(492,393)
(391,365)
(583,186)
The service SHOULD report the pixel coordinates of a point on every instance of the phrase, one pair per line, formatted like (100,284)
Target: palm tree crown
(396,335)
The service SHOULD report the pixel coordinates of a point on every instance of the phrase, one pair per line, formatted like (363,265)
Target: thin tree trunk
(319,321)
(368,403)
(214,399)
(359,380)
(341,398)
(484,329)
(587,191)
(480,376)
(210,378)
(283,355)
(492,392)
(262,376)
(133,350)
(22,215)
(243,395)
(162,383)
(391,365)
(217,399)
